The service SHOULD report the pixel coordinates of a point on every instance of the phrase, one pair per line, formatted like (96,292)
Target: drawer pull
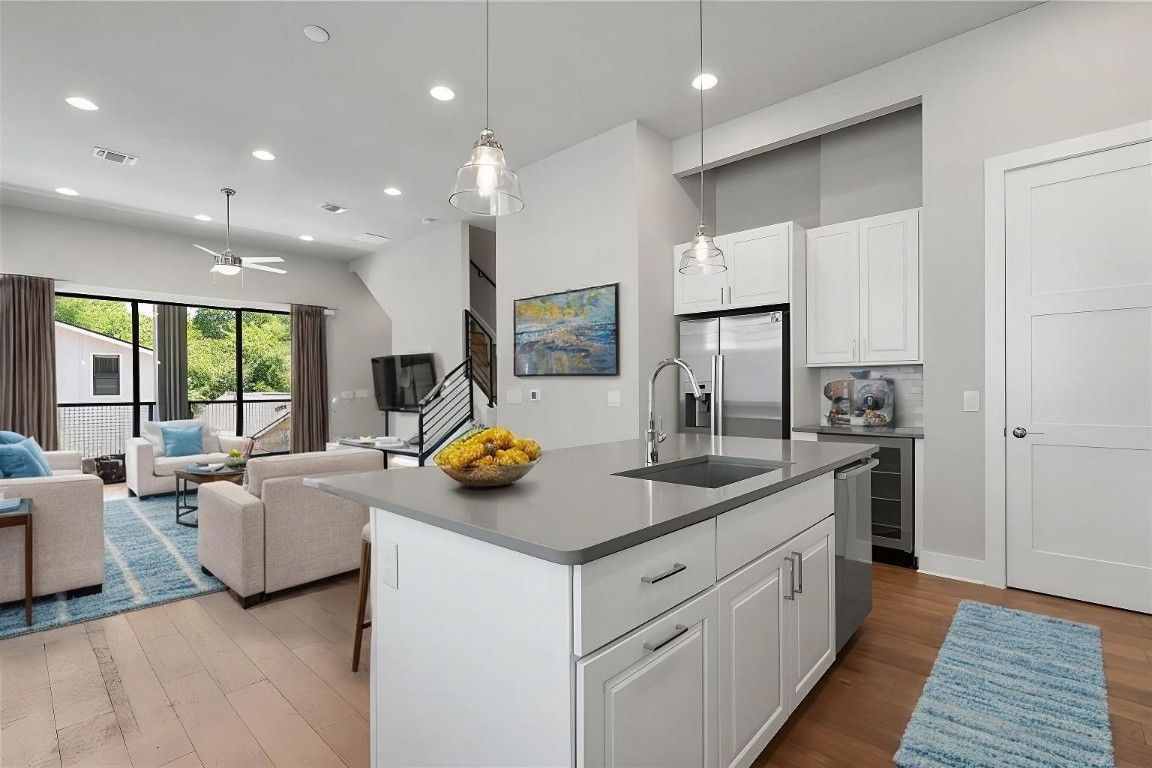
(799,572)
(791,580)
(653,647)
(675,569)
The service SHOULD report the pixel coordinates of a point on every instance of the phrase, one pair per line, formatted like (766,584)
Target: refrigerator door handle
(717,393)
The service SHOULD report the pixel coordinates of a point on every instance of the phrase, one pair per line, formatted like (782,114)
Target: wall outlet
(347,394)
(534,395)
(971,400)
(363,394)
(613,398)
(386,554)
(513,396)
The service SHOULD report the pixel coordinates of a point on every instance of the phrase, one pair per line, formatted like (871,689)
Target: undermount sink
(706,471)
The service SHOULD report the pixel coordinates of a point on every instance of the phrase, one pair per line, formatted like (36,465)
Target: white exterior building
(94,368)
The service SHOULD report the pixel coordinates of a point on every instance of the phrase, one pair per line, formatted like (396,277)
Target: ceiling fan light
(485,185)
(227,269)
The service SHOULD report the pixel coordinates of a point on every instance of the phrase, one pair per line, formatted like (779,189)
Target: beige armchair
(148,474)
(67,531)
(277,533)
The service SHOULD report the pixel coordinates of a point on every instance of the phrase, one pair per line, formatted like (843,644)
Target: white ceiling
(193,87)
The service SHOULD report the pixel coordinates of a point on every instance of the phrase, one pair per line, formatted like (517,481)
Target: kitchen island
(581,617)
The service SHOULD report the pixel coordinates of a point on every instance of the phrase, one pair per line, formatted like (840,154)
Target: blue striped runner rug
(148,559)
(1012,689)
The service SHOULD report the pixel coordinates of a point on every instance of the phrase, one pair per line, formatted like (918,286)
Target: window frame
(92,374)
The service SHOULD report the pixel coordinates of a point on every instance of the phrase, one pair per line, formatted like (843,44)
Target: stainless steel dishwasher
(853,547)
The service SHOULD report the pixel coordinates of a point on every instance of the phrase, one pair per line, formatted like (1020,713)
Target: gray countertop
(917,433)
(571,509)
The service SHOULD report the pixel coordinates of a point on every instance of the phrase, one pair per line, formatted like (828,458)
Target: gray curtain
(28,357)
(172,356)
(309,379)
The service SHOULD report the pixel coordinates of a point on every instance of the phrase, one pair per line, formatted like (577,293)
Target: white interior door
(1078,311)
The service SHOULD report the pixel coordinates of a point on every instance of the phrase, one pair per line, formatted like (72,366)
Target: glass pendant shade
(702,257)
(485,185)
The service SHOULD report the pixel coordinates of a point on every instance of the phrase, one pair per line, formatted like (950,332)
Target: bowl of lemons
(488,457)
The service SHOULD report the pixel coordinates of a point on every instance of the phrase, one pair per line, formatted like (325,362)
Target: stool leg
(362,601)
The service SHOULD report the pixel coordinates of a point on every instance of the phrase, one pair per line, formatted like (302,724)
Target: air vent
(333,208)
(370,239)
(120,158)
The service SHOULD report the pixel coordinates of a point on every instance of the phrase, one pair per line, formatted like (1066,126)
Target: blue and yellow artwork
(575,333)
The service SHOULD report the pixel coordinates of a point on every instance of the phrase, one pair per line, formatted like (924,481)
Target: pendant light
(485,185)
(702,256)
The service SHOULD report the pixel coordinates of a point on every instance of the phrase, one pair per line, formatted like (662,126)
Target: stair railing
(480,350)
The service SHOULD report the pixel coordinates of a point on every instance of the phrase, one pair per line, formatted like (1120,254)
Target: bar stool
(362,599)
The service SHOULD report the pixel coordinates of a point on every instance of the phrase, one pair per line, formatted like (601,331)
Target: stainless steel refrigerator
(741,362)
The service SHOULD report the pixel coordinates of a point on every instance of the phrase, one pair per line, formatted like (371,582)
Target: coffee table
(199,476)
(22,515)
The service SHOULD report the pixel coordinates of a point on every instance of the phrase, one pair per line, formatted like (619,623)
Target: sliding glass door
(122,362)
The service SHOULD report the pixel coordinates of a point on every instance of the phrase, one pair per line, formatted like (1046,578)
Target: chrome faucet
(654,435)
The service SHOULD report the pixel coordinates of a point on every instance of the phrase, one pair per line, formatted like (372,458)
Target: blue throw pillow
(10,438)
(38,455)
(17,461)
(182,441)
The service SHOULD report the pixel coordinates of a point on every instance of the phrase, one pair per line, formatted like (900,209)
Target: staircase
(480,349)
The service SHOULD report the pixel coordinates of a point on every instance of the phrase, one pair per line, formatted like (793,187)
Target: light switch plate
(613,398)
(513,396)
(363,394)
(534,395)
(386,554)
(347,394)
(971,400)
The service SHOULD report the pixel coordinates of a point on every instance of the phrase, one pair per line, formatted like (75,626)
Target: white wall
(123,260)
(1052,72)
(604,211)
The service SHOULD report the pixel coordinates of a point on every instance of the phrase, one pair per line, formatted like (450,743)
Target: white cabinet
(758,274)
(649,699)
(863,291)
(777,633)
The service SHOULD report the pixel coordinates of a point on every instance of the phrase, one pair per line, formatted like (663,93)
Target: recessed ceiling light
(442,93)
(704,82)
(67,191)
(391,191)
(263,154)
(307,238)
(82,103)
(202,217)
(316,34)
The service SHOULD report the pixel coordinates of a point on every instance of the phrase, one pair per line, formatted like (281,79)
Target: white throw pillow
(151,431)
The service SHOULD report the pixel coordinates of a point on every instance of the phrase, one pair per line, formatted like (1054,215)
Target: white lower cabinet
(777,635)
(649,699)
(710,682)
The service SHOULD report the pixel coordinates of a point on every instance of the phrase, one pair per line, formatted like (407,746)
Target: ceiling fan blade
(262,268)
(206,250)
(261,259)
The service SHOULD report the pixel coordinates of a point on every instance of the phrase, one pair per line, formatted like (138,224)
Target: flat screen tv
(401,381)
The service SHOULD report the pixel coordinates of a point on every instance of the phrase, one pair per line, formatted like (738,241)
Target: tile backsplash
(909,381)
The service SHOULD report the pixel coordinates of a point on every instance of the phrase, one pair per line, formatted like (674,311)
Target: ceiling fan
(228,263)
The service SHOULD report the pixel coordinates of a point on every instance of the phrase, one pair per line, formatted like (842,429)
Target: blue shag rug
(1012,689)
(148,559)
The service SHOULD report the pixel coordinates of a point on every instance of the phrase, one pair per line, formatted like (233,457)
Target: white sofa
(148,474)
(277,533)
(67,531)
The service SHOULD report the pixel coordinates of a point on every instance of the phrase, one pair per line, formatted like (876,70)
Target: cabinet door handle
(853,349)
(675,569)
(799,572)
(653,647)
(865,346)
(729,294)
(791,580)
(721,294)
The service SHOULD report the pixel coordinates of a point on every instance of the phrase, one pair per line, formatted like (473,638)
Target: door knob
(1019,432)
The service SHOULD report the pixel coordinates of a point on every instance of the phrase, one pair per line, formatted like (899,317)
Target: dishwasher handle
(857,469)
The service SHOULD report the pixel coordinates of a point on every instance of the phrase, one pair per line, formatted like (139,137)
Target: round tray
(489,477)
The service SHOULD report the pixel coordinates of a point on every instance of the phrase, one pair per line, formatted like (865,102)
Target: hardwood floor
(856,715)
(202,683)
(192,684)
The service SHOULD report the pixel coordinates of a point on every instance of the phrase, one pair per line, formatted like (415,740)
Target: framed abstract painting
(574,333)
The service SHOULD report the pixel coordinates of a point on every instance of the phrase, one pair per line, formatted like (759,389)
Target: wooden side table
(22,515)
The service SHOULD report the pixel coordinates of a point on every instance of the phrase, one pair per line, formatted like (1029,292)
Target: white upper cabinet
(890,287)
(863,290)
(833,263)
(759,272)
(697,293)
